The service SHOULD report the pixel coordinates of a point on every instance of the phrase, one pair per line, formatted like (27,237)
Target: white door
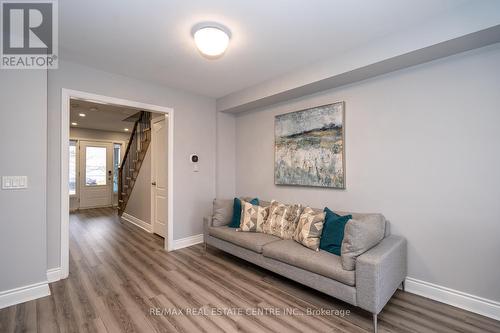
(96,174)
(159,184)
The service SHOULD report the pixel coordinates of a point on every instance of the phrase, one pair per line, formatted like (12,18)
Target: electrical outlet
(14,182)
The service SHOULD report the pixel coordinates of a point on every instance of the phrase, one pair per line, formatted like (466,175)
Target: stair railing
(133,157)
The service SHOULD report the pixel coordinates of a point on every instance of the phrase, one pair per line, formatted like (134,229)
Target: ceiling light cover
(82,114)
(211,41)
(74,124)
(125,129)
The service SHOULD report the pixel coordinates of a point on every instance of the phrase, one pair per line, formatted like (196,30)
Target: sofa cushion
(319,262)
(360,235)
(223,212)
(253,241)
(252,217)
(309,228)
(282,219)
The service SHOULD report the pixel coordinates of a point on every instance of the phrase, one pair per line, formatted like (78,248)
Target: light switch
(14,182)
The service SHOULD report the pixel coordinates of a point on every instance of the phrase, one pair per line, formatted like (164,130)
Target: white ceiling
(102,117)
(151,40)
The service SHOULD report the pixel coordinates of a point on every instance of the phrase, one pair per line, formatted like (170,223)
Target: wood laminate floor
(121,280)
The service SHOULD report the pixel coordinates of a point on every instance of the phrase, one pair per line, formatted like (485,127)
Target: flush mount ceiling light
(211,39)
(74,124)
(125,129)
(82,114)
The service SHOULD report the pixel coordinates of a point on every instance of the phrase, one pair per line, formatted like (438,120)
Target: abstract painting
(309,147)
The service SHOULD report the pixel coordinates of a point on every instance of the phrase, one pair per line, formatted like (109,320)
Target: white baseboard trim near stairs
(137,222)
(54,274)
(188,241)
(472,303)
(24,294)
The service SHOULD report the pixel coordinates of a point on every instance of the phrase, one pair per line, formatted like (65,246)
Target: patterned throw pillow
(309,228)
(282,220)
(252,217)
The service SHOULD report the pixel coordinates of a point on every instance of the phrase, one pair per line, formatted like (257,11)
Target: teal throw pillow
(333,231)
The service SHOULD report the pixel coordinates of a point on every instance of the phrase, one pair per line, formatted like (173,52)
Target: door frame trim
(66,96)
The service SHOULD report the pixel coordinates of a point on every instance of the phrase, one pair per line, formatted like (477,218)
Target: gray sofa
(377,275)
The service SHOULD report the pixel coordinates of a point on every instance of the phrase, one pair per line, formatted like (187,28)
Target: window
(95,166)
(116,164)
(72,167)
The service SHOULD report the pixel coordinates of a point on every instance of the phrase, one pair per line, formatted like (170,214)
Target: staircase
(133,158)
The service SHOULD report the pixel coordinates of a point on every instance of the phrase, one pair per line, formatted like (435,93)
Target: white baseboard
(472,303)
(23,294)
(54,274)
(188,241)
(137,222)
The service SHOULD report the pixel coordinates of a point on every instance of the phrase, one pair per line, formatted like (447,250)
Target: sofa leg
(375,322)
(403,285)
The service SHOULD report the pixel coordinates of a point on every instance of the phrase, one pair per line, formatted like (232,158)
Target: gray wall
(23,148)
(194,132)
(139,204)
(422,147)
(226,159)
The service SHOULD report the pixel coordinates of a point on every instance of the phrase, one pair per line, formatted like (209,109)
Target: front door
(96,175)
(159,177)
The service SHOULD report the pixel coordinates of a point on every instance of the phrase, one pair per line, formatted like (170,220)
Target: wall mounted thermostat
(194,160)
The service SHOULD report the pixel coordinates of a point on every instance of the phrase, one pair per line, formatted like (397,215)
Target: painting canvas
(309,147)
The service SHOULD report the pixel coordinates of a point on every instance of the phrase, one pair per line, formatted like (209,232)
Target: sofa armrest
(207,222)
(379,272)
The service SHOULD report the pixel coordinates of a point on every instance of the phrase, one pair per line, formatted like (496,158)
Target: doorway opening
(116,154)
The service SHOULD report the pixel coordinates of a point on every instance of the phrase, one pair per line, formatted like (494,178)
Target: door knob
(153,183)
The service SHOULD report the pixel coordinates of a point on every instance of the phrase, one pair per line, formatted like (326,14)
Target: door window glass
(95,166)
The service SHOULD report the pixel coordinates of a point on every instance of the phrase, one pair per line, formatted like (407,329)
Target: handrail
(132,158)
(132,135)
